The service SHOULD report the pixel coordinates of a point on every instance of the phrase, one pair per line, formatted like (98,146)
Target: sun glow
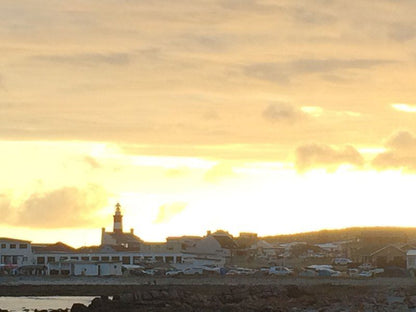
(404,107)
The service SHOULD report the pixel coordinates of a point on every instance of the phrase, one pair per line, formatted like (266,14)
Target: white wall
(17,256)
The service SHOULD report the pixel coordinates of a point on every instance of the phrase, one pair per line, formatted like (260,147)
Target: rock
(395,299)
(146,296)
(127,298)
(79,307)
(293,291)
(411,302)
(155,294)
(96,303)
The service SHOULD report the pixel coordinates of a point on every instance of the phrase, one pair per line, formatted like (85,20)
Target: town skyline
(251,116)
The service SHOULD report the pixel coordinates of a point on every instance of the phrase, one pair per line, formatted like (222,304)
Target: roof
(225,242)
(385,247)
(13,240)
(105,249)
(57,247)
(411,252)
(124,238)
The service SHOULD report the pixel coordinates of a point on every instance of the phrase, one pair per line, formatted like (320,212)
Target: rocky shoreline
(272,295)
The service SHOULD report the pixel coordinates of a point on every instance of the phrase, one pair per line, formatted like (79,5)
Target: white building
(411,259)
(84,268)
(15,252)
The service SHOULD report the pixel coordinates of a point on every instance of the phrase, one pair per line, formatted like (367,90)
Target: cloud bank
(311,156)
(67,207)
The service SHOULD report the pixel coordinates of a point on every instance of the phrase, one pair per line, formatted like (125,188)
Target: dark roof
(57,247)
(105,249)
(13,240)
(386,247)
(225,242)
(125,238)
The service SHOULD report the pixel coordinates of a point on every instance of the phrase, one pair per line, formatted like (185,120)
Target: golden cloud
(168,211)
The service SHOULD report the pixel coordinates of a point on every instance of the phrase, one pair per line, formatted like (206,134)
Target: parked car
(280,271)
(174,273)
(342,261)
(366,266)
(193,271)
(149,272)
(365,274)
(307,273)
(211,269)
(329,273)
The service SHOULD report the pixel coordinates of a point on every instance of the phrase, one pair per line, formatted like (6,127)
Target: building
(411,259)
(84,268)
(15,252)
(381,256)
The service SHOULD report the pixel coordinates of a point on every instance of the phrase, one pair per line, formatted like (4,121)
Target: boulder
(79,307)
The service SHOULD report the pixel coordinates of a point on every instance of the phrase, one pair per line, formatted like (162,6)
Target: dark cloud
(312,17)
(282,112)
(67,207)
(402,32)
(87,59)
(311,156)
(283,72)
(400,153)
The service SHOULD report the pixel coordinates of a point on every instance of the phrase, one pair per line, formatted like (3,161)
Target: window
(22,246)
(178,259)
(126,260)
(85,258)
(136,260)
(74,258)
(169,259)
(50,259)
(12,246)
(105,258)
(95,258)
(115,258)
(40,260)
(3,246)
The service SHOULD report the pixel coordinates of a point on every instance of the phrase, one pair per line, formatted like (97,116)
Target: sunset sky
(250,116)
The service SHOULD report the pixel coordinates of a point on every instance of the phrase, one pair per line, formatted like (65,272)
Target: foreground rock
(258,298)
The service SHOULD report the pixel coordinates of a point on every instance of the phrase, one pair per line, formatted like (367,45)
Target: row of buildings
(124,249)
(117,249)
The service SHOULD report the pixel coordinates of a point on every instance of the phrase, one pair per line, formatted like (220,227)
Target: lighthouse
(118,220)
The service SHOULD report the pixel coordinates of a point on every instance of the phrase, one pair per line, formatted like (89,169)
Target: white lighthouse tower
(118,220)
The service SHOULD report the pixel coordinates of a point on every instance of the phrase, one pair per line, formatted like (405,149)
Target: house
(15,252)
(390,255)
(411,259)
(218,245)
(381,256)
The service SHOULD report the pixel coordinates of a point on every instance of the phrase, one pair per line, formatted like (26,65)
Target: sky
(245,115)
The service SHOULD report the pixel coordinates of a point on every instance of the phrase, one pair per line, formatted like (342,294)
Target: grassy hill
(392,234)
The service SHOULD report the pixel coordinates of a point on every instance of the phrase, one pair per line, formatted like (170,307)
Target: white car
(173,273)
(211,269)
(366,266)
(342,261)
(365,274)
(280,271)
(193,271)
